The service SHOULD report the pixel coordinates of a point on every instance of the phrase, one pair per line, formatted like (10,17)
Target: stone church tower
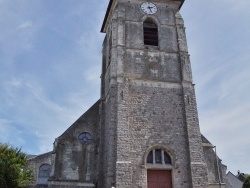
(147,88)
(144,130)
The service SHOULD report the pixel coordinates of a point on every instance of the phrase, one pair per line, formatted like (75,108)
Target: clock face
(148,8)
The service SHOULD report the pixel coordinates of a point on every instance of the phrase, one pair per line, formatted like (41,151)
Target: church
(144,131)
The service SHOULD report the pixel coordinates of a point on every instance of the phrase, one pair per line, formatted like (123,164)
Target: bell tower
(149,134)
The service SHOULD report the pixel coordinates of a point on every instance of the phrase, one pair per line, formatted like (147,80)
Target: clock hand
(150,8)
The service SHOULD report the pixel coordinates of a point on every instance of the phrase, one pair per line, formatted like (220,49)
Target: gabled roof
(204,139)
(109,7)
(43,155)
(233,180)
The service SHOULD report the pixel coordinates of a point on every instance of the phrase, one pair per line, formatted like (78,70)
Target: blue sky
(50,62)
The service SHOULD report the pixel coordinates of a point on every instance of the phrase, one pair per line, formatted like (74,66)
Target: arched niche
(43,174)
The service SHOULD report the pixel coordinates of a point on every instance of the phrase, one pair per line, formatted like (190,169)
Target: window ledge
(151,48)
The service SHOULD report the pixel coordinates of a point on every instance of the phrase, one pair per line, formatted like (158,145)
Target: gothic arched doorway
(159,173)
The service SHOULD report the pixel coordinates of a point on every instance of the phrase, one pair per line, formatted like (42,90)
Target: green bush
(247,182)
(13,168)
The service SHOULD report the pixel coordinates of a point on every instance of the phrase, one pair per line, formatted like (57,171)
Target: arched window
(158,156)
(159,169)
(150,30)
(43,174)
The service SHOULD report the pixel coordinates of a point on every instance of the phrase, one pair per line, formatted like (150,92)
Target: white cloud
(11,133)
(4,125)
(25,25)
(218,44)
(92,75)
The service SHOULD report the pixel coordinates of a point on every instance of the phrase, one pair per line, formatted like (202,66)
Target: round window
(85,138)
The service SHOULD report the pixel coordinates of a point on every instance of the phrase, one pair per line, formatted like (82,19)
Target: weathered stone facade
(147,104)
(35,163)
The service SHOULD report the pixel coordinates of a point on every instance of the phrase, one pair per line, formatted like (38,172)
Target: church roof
(233,180)
(109,7)
(204,139)
(182,3)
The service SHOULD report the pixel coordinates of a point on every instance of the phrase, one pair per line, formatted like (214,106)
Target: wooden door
(159,179)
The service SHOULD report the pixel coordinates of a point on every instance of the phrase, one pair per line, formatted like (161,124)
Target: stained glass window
(167,159)
(150,157)
(158,156)
(85,138)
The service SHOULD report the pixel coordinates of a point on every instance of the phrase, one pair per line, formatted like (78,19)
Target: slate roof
(204,139)
(241,177)
(233,180)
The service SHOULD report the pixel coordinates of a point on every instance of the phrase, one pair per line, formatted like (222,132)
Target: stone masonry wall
(35,163)
(157,118)
(76,161)
(145,99)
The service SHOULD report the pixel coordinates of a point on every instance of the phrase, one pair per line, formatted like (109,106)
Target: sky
(50,66)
